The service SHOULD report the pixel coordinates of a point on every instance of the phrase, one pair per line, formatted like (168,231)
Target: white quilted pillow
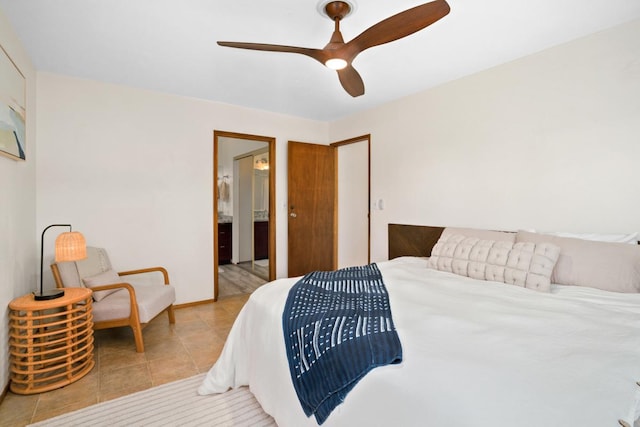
(522,264)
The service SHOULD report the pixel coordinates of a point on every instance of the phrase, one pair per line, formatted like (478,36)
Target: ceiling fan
(339,55)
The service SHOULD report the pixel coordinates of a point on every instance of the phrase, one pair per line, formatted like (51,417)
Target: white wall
(133,171)
(19,256)
(550,141)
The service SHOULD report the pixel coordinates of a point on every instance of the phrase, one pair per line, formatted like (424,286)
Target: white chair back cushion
(72,272)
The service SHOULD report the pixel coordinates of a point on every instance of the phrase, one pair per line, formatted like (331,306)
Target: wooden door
(312,208)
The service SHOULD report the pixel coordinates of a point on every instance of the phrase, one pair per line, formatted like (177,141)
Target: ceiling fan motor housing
(336,9)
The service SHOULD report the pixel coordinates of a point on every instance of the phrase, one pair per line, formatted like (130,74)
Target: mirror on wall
(244,216)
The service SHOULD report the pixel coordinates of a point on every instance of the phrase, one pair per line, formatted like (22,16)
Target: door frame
(271,141)
(362,138)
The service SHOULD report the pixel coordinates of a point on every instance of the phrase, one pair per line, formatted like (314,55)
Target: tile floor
(189,347)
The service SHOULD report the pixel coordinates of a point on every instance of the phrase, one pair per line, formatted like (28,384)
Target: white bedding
(475,353)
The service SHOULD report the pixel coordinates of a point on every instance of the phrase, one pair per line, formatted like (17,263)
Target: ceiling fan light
(336,63)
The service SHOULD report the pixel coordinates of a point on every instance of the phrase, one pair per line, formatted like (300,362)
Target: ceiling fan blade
(316,54)
(351,81)
(399,25)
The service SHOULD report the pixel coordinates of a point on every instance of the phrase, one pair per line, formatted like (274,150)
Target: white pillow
(631,238)
(527,265)
(108,277)
(604,265)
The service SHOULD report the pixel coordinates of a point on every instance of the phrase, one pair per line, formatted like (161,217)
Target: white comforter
(475,354)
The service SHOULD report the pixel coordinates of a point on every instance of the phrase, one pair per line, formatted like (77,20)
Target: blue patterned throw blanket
(337,327)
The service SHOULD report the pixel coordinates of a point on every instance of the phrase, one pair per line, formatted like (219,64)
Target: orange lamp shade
(70,246)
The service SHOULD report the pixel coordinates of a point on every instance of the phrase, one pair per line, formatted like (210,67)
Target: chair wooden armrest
(133,302)
(162,270)
(165,274)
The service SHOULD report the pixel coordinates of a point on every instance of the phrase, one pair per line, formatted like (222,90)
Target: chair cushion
(108,277)
(69,274)
(72,272)
(152,299)
(96,262)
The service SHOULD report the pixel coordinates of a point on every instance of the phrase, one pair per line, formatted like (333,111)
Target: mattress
(475,353)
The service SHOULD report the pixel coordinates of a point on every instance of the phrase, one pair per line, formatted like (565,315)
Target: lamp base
(47,295)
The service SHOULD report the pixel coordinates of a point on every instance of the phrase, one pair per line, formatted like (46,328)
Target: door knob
(293,214)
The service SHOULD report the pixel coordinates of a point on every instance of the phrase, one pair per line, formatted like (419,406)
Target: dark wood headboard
(412,240)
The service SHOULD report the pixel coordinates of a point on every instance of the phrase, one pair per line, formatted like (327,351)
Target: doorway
(354,201)
(329,205)
(243,212)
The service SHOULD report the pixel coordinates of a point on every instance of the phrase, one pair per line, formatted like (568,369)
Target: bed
(510,352)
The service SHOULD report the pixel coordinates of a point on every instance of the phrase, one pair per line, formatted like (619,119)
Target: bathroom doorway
(244,212)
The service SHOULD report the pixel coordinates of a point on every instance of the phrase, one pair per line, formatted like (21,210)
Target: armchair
(117,303)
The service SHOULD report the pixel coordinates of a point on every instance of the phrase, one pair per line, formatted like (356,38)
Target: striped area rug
(172,404)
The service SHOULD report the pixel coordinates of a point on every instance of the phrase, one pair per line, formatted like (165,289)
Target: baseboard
(5,390)
(193,304)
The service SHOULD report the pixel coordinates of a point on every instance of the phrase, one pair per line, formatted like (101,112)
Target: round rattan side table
(50,342)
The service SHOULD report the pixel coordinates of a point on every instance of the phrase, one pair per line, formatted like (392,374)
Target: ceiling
(170,45)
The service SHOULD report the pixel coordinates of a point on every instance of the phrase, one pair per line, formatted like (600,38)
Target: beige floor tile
(84,390)
(182,356)
(221,333)
(172,369)
(157,337)
(162,349)
(195,345)
(129,377)
(110,394)
(219,319)
(160,322)
(17,409)
(205,363)
(115,338)
(193,329)
(191,313)
(205,358)
(201,340)
(236,301)
(120,358)
(48,411)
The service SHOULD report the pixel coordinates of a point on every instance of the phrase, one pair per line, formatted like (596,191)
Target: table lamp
(70,246)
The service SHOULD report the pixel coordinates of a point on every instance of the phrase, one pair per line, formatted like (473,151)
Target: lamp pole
(54,293)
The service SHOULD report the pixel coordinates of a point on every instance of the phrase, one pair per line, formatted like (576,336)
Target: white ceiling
(169,45)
